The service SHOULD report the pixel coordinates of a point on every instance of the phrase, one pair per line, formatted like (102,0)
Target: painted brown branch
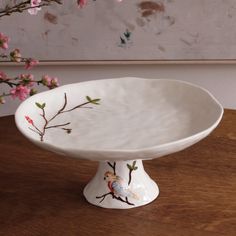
(25,5)
(60,111)
(130,173)
(115,197)
(39,133)
(45,125)
(113,167)
(79,106)
(55,126)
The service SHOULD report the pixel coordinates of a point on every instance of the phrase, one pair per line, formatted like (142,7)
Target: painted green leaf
(43,105)
(38,105)
(129,166)
(88,98)
(134,163)
(135,168)
(95,101)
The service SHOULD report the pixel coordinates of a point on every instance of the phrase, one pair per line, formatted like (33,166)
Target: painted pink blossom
(35,9)
(20,91)
(30,63)
(50,82)
(15,55)
(81,3)
(3,76)
(27,80)
(4,41)
(30,121)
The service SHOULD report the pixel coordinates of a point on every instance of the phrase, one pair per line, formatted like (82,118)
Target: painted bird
(117,186)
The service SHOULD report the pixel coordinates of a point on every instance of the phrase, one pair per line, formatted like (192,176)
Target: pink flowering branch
(31,5)
(22,85)
(15,56)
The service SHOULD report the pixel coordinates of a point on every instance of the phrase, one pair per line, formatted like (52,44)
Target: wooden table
(41,192)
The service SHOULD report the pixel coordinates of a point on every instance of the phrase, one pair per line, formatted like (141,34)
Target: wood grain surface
(41,192)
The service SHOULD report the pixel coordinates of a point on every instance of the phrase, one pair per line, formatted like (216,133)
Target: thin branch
(130,172)
(103,196)
(45,125)
(131,169)
(60,111)
(113,167)
(40,132)
(23,6)
(2,55)
(34,131)
(55,126)
(22,59)
(11,84)
(115,197)
(79,106)
(65,103)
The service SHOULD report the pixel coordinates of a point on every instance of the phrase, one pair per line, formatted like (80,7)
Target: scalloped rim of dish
(133,151)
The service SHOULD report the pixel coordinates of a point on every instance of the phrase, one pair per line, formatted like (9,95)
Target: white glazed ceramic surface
(135,119)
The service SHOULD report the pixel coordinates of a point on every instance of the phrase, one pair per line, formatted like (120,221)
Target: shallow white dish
(119,122)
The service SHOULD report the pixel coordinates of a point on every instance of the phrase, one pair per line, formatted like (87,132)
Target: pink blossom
(3,76)
(30,63)
(50,82)
(54,83)
(30,121)
(46,80)
(15,55)
(4,41)
(81,3)
(27,80)
(35,9)
(20,91)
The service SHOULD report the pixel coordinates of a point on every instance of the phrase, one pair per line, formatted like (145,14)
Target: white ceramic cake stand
(119,122)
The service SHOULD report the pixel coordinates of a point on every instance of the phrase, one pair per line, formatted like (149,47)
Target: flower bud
(33,91)
(2,100)
(15,55)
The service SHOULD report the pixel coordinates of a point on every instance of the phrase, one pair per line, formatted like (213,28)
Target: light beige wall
(218,79)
